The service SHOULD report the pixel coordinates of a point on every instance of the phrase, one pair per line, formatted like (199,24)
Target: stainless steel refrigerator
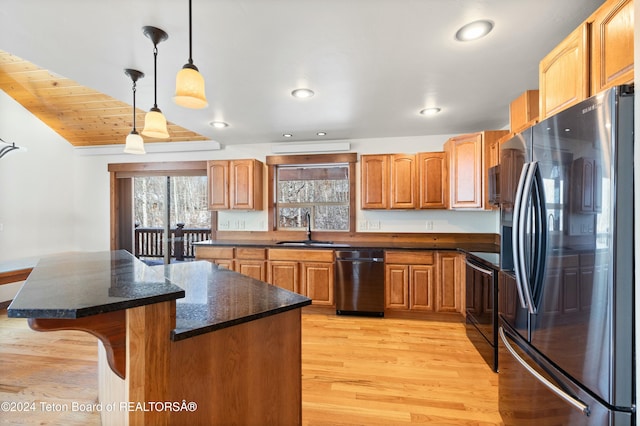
(566,286)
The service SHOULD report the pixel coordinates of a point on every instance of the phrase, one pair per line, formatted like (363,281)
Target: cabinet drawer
(251,253)
(214,252)
(409,257)
(301,255)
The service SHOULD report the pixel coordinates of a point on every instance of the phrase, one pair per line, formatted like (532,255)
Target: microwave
(494,185)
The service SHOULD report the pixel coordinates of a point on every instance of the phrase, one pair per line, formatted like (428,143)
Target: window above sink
(319,192)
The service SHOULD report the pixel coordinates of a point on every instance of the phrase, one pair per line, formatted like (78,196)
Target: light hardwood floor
(355,371)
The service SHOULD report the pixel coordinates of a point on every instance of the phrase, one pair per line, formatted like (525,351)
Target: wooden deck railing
(149,242)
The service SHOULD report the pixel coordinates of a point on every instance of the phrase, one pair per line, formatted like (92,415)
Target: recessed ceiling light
(430,111)
(218,124)
(302,93)
(287,135)
(321,133)
(474,30)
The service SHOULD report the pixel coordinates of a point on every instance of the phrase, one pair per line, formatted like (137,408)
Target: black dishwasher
(360,282)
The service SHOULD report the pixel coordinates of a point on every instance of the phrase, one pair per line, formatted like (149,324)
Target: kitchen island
(183,344)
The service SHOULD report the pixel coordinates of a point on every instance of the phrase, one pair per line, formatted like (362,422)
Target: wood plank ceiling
(81,115)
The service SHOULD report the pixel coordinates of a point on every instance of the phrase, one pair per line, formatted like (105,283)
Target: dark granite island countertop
(217,298)
(228,344)
(81,284)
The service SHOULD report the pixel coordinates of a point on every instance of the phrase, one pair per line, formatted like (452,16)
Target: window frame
(273,161)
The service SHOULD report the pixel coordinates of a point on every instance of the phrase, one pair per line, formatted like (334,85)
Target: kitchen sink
(310,243)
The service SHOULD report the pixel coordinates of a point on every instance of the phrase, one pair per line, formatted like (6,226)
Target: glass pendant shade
(155,125)
(190,88)
(134,144)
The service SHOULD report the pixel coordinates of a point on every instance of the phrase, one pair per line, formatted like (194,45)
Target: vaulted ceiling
(373,64)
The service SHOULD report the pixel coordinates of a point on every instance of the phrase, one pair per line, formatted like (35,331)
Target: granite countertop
(80,284)
(217,298)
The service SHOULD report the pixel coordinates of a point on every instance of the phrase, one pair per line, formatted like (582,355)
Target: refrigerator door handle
(520,260)
(575,402)
(534,285)
(516,243)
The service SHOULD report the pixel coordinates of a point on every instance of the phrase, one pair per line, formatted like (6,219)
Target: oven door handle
(479,268)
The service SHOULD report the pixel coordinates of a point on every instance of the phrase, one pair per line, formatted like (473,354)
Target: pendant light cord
(155,76)
(190,59)
(134,105)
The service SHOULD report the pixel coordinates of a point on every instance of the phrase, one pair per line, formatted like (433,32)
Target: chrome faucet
(308,214)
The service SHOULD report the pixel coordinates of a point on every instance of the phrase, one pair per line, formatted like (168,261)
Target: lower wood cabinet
(450,276)
(251,262)
(424,281)
(307,272)
(221,256)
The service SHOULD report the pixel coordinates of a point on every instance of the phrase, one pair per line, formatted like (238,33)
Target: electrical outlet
(429,225)
(223,224)
(241,224)
(362,225)
(374,224)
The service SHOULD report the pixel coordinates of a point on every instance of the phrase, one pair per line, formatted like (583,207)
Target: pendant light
(189,82)
(134,143)
(155,125)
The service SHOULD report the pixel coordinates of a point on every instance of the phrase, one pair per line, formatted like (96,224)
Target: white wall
(36,187)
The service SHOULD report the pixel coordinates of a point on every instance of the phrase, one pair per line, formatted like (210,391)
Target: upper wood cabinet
(595,56)
(524,110)
(433,180)
(465,159)
(612,45)
(469,165)
(388,181)
(564,73)
(235,184)
(403,181)
(374,181)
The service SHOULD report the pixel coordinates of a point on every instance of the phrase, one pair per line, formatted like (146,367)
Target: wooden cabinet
(524,110)
(433,180)
(307,272)
(465,165)
(284,274)
(587,183)
(564,73)
(595,56)
(222,256)
(511,162)
(491,159)
(403,181)
(374,181)
(235,184)
(469,167)
(388,181)
(612,45)
(317,282)
(424,281)
(450,278)
(251,262)
(410,281)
